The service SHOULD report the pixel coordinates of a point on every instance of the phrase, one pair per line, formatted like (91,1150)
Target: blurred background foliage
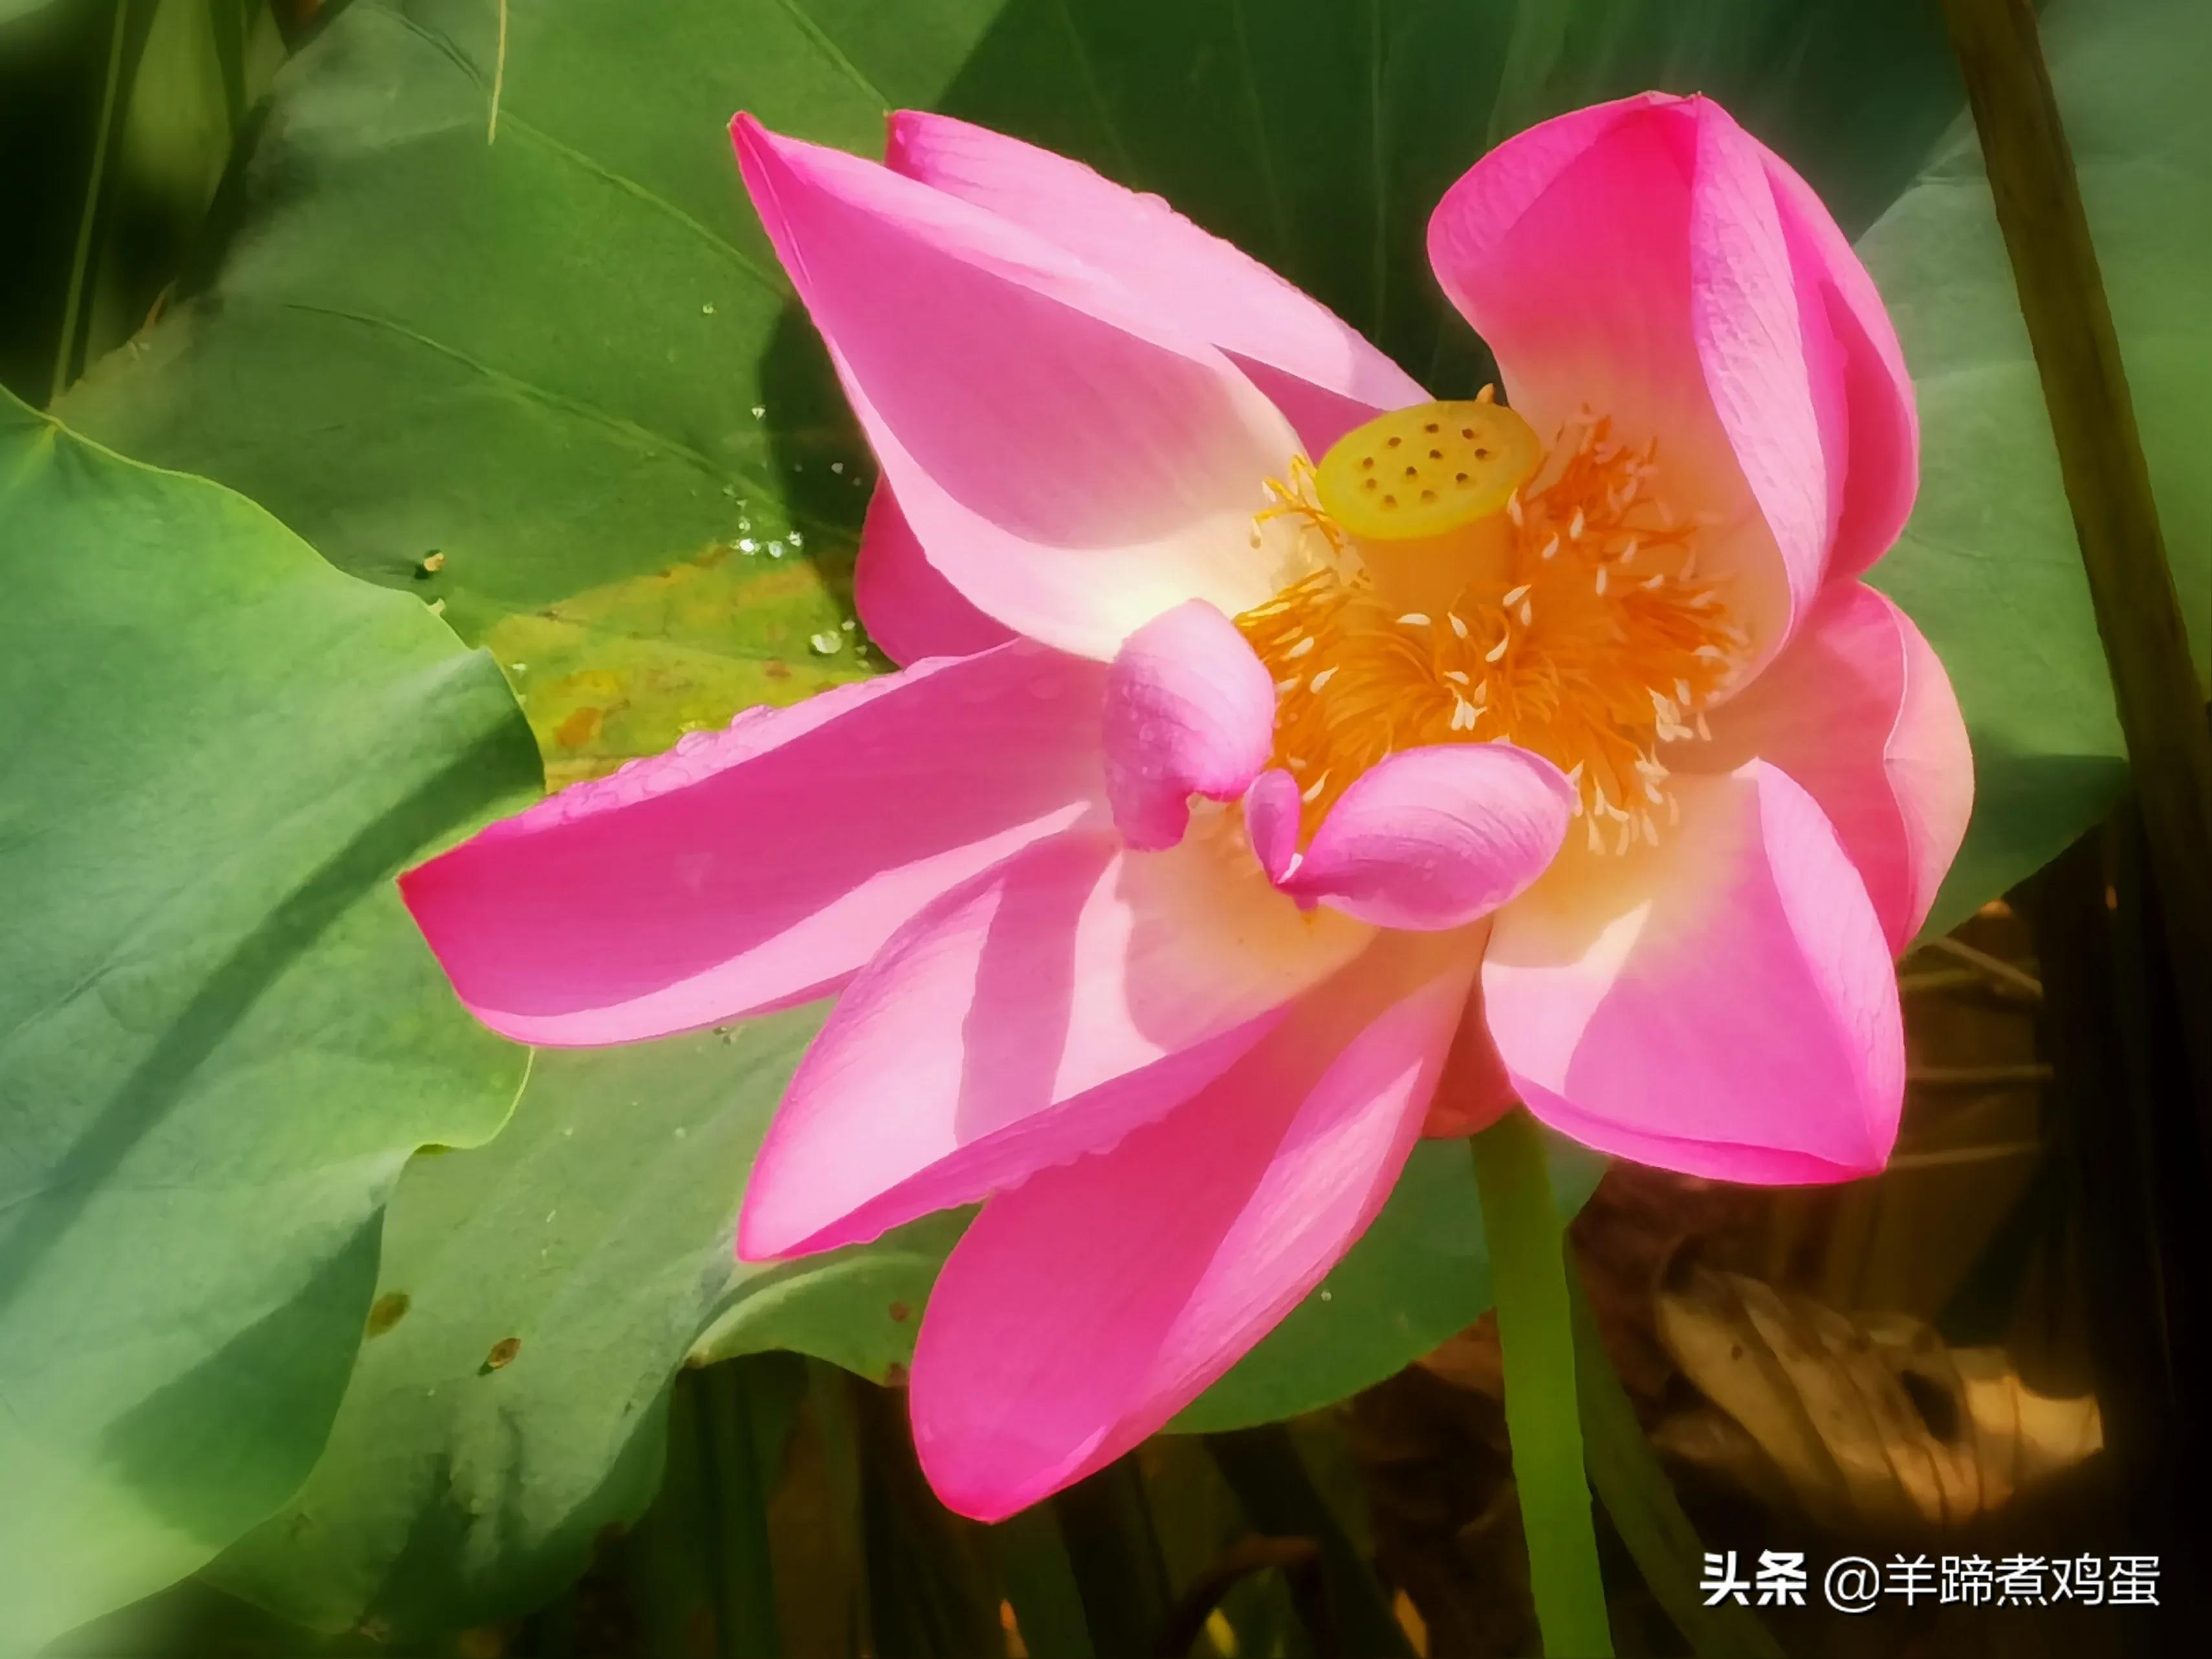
(461,299)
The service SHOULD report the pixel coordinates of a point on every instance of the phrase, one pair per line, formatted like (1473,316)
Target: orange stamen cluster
(1592,641)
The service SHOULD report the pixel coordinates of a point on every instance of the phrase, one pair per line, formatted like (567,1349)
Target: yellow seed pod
(1425,470)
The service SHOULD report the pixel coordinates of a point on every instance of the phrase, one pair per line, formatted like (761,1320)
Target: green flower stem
(1645,1510)
(1535,1331)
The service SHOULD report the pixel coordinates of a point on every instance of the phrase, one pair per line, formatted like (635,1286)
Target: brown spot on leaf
(387,1310)
(502,1352)
(895,1375)
(900,1312)
(579,728)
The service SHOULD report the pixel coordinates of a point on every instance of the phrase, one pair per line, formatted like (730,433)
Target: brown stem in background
(2077,352)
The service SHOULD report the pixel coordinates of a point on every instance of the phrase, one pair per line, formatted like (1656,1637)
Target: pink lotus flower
(1282,755)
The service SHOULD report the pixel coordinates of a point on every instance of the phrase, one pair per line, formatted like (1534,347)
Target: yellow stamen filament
(1542,646)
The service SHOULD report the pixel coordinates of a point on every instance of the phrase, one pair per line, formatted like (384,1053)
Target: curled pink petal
(1189,711)
(1318,370)
(1722,1004)
(756,866)
(1271,819)
(1088,1305)
(1634,257)
(909,610)
(1041,1009)
(1427,838)
(1859,711)
(1073,464)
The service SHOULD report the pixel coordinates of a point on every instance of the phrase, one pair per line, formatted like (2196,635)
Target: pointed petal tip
(983,1499)
(755,1241)
(1074,461)
(651,901)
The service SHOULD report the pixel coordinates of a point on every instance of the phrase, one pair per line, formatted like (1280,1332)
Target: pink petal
(1722,1004)
(1316,368)
(909,610)
(1634,257)
(1475,1091)
(1427,838)
(759,865)
(1088,1305)
(1189,711)
(1859,711)
(1073,466)
(1040,1010)
(1271,819)
(1883,448)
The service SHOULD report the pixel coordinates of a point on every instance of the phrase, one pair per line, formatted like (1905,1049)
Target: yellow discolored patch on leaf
(624,670)
(579,728)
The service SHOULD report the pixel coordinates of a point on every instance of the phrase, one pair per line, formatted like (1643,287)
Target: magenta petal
(1040,1010)
(909,609)
(1883,447)
(1475,1090)
(1427,838)
(1073,464)
(756,866)
(1189,711)
(1318,370)
(1088,1305)
(1722,1004)
(1860,712)
(1633,257)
